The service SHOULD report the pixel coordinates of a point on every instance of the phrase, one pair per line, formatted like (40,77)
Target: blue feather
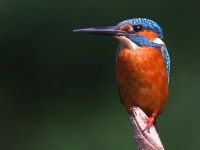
(143,41)
(167,60)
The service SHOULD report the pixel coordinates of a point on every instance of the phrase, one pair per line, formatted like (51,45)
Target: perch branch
(145,139)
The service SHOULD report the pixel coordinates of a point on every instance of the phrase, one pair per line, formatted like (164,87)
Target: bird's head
(132,33)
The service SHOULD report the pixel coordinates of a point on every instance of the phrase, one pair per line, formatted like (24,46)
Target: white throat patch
(126,43)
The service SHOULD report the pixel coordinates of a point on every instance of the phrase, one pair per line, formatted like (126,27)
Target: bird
(142,65)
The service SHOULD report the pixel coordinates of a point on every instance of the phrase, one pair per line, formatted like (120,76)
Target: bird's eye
(137,28)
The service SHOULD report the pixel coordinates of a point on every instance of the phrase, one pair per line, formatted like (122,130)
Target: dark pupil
(137,28)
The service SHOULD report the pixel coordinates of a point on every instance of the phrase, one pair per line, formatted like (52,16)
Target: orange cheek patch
(148,34)
(127,28)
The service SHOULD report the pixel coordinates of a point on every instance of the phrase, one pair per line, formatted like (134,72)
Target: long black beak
(113,31)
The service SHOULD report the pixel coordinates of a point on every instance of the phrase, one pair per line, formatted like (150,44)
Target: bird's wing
(167,60)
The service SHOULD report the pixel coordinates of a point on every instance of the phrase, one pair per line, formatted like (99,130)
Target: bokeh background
(58,88)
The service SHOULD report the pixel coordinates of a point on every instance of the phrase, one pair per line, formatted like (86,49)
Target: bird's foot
(132,110)
(150,122)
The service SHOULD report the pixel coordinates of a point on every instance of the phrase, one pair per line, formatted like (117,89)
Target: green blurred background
(58,88)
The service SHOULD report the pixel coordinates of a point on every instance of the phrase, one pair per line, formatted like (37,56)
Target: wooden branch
(145,139)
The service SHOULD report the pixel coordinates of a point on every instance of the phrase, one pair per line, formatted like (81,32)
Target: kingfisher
(142,65)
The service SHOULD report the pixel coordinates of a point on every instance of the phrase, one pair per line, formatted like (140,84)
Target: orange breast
(142,79)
